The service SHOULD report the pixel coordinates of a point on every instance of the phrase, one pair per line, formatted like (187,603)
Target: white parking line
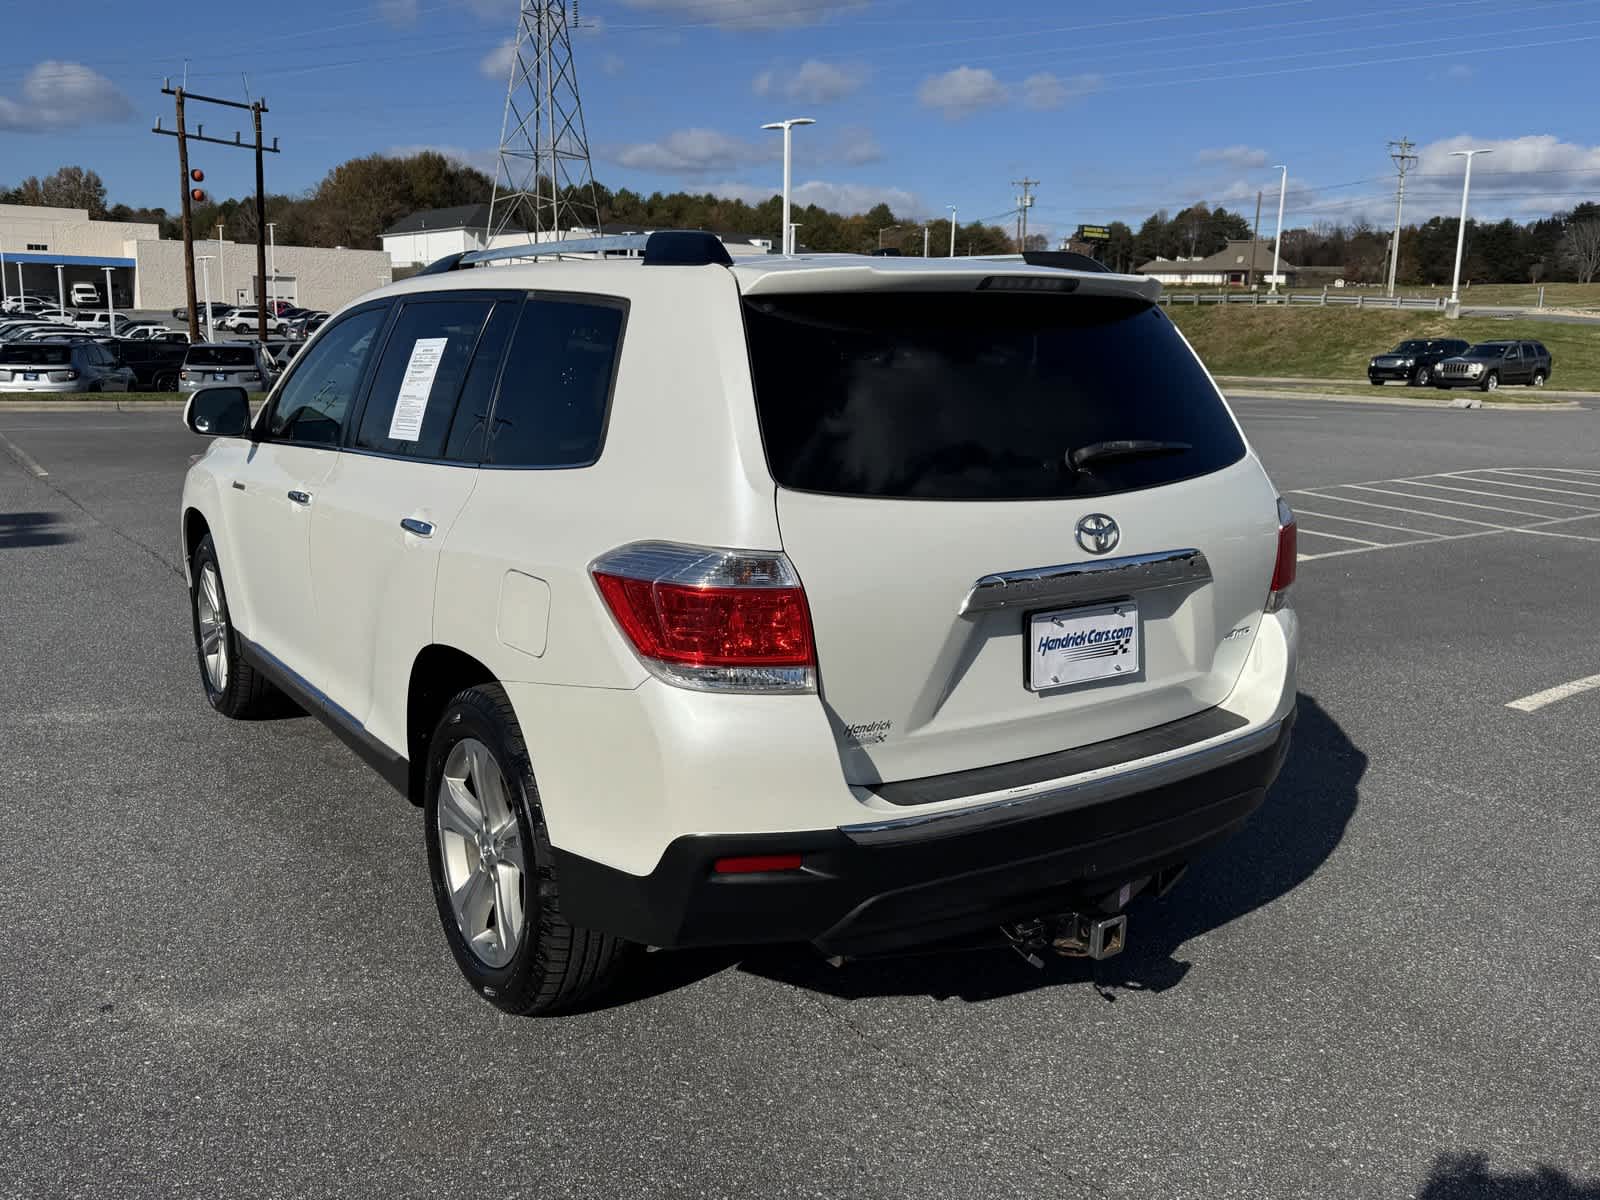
(1306,512)
(1547,479)
(22,456)
(1561,691)
(1520,499)
(1414,511)
(1500,508)
(1339,537)
(1466,477)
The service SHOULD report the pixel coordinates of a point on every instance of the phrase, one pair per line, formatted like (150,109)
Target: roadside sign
(1092,233)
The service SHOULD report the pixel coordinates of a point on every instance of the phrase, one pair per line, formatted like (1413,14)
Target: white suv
(856,601)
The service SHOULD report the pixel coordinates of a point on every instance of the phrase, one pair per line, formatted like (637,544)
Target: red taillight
(1283,570)
(711,626)
(712,619)
(752,864)
(183,374)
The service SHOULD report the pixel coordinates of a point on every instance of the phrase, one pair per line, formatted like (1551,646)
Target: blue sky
(1115,109)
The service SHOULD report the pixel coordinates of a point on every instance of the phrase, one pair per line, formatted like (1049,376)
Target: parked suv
(246,320)
(84,295)
(207,364)
(847,600)
(61,366)
(1490,364)
(155,364)
(1413,360)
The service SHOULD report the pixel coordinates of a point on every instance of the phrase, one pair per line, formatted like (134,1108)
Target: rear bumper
(861,893)
(1389,373)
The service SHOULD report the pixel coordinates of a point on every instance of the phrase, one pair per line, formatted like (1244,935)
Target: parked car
(83,295)
(114,324)
(304,325)
(62,366)
(1413,360)
(155,365)
(239,364)
(145,331)
(61,316)
(282,350)
(1490,364)
(912,650)
(29,303)
(21,329)
(247,320)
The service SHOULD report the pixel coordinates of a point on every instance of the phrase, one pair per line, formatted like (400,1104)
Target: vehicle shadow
(19,530)
(1467,1177)
(1283,845)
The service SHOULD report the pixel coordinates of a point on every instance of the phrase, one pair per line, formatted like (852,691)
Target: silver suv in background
(223,364)
(61,366)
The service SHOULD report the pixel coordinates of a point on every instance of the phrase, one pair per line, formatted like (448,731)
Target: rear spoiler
(871,274)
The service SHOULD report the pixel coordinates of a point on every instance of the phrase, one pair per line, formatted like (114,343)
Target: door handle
(420,528)
(300,497)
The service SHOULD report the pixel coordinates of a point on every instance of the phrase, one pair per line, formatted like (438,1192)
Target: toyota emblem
(1098,533)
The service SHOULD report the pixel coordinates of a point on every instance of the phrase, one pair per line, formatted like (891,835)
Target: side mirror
(218,412)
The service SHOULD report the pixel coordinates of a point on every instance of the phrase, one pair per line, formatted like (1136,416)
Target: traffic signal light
(198,195)
(197,175)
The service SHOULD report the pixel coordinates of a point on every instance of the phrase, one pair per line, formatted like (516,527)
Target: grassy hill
(1335,343)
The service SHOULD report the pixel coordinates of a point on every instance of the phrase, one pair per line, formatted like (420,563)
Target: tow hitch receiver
(1071,935)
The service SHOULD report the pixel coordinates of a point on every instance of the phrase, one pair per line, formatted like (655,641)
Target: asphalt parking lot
(224,976)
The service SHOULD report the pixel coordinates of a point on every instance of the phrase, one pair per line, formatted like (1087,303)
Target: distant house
(427,236)
(1239,264)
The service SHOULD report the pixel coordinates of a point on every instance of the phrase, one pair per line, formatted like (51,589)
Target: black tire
(1423,377)
(1491,382)
(556,966)
(246,694)
(1375,382)
(165,382)
(1538,379)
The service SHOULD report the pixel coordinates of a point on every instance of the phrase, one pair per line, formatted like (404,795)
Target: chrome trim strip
(1049,800)
(1071,583)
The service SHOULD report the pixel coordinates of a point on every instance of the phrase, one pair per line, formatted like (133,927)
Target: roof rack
(664,247)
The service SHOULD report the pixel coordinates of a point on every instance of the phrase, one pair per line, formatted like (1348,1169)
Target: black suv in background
(155,363)
(1490,364)
(1413,360)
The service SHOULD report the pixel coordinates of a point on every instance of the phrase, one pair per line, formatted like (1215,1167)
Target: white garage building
(146,270)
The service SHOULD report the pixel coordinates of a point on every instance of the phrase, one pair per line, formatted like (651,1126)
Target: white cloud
(398,12)
(691,152)
(1458,72)
(1046,91)
(813,82)
(856,146)
(611,64)
(1243,157)
(846,198)
(485,160)
(1525,176)
(496,64)
(748,15)
(961,92)
(62,95)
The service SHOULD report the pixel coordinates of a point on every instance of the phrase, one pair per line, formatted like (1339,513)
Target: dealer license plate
(219,376)
(1081,645)
(33,375)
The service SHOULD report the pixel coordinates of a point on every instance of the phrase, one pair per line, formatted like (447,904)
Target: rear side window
(420,375)
(555,388)
(37,356)
(980,396)
(314,400)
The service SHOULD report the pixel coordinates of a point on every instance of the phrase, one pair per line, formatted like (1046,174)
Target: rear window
(980,396)
(37,356)
(220,356)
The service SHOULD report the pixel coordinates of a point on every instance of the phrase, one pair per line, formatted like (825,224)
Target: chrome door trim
(1073,583)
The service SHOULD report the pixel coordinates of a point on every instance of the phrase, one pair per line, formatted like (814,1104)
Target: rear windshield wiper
(1127,448)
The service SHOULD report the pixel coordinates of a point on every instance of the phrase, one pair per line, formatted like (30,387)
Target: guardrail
(1322,300)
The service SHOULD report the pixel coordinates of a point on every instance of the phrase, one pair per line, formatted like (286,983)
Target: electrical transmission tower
(1024,203)
(1404,160)
(543,180)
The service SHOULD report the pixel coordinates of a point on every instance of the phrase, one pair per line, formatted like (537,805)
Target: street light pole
(272,269)
(205,271)
(787,126)
(1461,230)
(952,209)
(926,230)
(61,290)
(1277,242)
(111,305)
(222,266)
(5,288)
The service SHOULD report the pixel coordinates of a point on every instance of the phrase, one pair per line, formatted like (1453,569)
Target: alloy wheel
(481,852)
(213,621)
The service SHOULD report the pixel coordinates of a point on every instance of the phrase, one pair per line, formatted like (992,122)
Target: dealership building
(47,250)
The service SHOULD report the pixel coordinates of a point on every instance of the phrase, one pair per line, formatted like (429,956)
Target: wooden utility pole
(1255,240)
(188,229)
(255,108)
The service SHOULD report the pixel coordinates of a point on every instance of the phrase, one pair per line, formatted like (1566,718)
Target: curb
(130,406)
(1435,405)
(1234,381)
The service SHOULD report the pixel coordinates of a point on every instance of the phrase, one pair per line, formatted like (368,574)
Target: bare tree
(1581,244)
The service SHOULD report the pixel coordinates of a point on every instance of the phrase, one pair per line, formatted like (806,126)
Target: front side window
(420,375)
(314,401)
(555,388)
